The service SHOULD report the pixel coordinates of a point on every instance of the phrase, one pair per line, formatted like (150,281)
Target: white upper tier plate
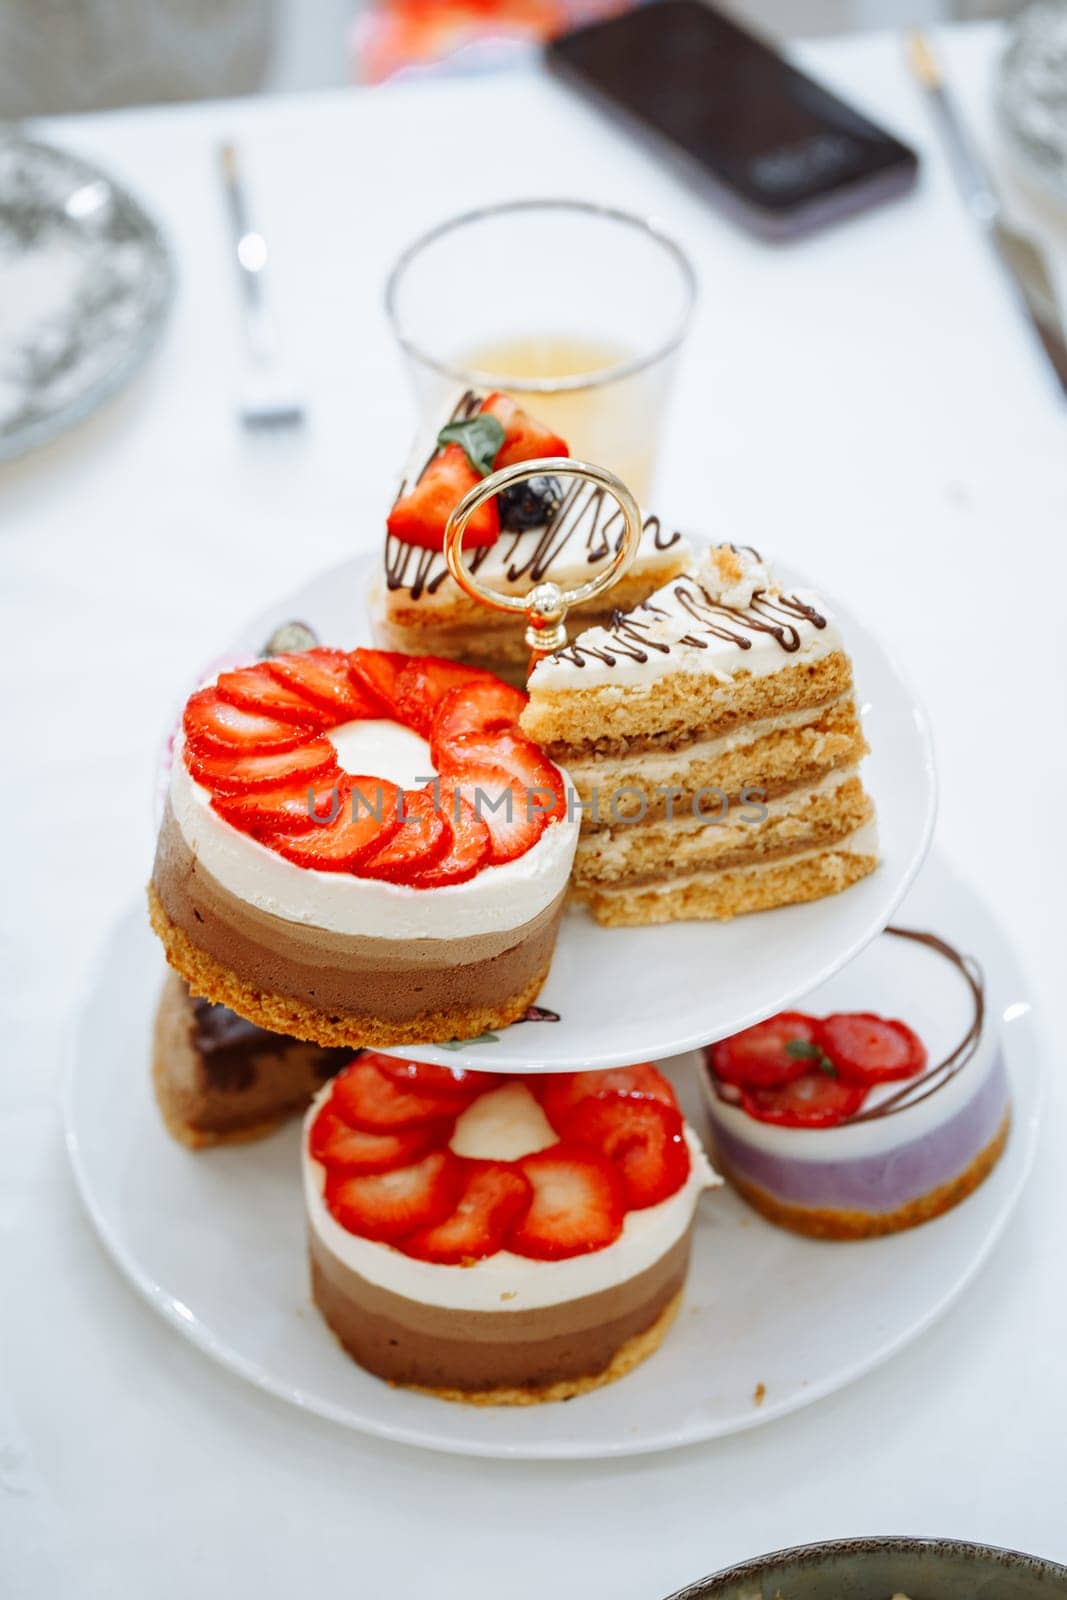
(617,995)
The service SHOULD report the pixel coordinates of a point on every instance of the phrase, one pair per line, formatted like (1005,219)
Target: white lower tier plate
(616,995)
(215,1241)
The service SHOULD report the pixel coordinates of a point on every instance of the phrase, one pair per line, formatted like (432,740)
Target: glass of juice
(575,310)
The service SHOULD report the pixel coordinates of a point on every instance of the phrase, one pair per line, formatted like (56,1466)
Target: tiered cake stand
(771,1322)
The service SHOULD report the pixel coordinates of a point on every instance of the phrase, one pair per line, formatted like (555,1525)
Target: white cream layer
(861,842)
(853,1140)
(664,620)
(496,899)
(507,1282)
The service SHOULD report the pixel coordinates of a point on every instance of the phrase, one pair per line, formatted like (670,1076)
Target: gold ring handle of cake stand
(546,604)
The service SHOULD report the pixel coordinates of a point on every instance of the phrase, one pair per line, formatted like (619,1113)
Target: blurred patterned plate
(85,284)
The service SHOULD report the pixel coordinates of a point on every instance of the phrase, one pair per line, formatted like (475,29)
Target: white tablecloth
(866,405)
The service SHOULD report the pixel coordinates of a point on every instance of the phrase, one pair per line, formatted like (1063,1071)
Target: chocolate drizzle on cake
(918,1089)
(767,613)
(586,514)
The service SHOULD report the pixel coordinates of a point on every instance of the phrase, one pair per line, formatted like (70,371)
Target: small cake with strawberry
(361,849)
(499,1240)
(550,527)
(847,1126)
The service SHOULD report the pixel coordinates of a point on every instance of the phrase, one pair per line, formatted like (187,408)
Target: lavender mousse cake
(877,1159)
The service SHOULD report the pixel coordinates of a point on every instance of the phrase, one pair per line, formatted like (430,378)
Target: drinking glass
(576,310)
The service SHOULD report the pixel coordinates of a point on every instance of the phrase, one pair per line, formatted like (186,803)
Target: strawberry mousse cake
(361,849)
(548,528)
(499,1240)
(846,1126)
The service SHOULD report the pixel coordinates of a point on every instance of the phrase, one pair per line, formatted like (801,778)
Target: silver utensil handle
(978,193)
(250,254)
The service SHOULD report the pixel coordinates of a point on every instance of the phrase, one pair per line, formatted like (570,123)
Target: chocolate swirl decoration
(919,1089)
(767,613)
(586,515)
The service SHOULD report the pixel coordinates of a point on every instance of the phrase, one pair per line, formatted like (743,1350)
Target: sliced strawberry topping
(578,1204)
(285,809)
(524,437)
(815,1100)
(771,1053)
(419,517)
(388,1205)
(469,851)
(366,819)
(644,1138)
(423,838)
(475,711)
(256,688)
(560,1092)
(425,681)
(437,1080)
(354,1150)
(240,774)
(366,1097)
(494,1197)
(503,803)
(867,1049)
(325,679)
(379,671)
(214,726)
(541,781)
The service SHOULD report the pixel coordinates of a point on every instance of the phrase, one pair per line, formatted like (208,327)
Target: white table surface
(865,405)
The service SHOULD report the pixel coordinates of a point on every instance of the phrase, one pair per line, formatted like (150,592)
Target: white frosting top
(726,617)
(497,898)
(505,1120)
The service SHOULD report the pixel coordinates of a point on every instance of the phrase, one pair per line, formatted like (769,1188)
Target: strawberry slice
(814,1100)
(378,671)
(867,1049)
(423,838)
(468,853)
(507,807)
(644,1138)
(494,1198)
(240,774)
(425,681)
(560,1092)
(771,1053)
(285,809)
(352,1150)
(366,1097)
(476,710)
(389,1205)
(256,689)
(438,1080)
(419,517)
(214,726)
(578,1204)
(324,678)
(366,819)
(541,780)
(524,437)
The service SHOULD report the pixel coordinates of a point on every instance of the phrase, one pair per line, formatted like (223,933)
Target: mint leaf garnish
(480,438)
(805,1050)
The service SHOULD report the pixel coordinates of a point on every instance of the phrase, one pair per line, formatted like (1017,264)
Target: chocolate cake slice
(222,1080)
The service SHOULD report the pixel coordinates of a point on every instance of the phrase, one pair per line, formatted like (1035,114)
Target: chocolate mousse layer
(408,1342)
(219,1079)
(340,989)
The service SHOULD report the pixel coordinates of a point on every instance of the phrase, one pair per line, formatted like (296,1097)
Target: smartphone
(783,154)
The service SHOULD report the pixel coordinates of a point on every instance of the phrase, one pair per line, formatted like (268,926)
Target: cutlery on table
(270,399)
(1020,256)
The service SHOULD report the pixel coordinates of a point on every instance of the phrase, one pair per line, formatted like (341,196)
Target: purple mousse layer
(879,1182)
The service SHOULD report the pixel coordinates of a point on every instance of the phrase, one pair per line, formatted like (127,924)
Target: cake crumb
(759,1394)
(509,1294)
